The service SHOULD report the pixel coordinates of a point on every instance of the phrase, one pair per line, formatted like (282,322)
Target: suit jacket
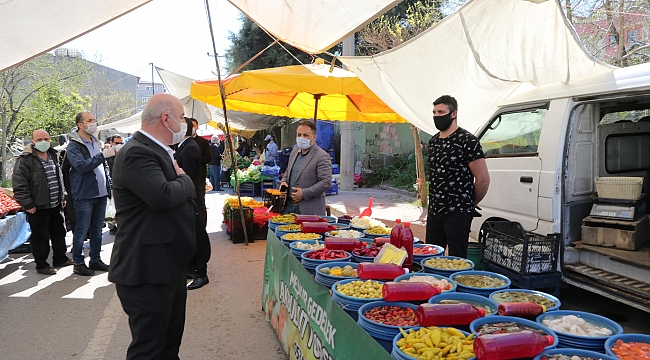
(188,156)
(314,178)
(206,156)
(156,239)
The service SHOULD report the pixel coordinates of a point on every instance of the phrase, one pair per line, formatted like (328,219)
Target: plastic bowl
(374,235)
(330,219)
(480,291)
(288,241)
(297,252)
(409,275)
(329,280)
(350,298)
(316,262)
(419,258)
(476,324)
(329,234)
(273,224)
(471,299)
(583,341)
(625,338)
(494,297)
(444,272)
(574,352)
(400,355)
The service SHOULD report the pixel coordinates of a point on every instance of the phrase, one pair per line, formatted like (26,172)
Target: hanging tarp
(126,126)
(29,28)
(179,86)
(312,26)
(480,55)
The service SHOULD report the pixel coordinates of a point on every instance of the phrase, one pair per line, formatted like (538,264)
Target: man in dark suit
(309,174)
(156,238)
(206,156)
(188,157)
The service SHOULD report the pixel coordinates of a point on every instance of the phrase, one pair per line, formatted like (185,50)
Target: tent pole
(316,98)
(233,158)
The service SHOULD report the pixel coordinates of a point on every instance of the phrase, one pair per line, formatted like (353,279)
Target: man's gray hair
(153,112)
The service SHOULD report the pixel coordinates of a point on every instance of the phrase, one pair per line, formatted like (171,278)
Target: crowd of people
(157,182)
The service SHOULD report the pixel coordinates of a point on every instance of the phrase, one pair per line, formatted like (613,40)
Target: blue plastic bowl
(360,259)
(383,334)
(400,355)
(350,304)
(419,258)
(341,226)
(471,299)
(298,252)
(444,272)
(329,234)
(281,233)
(374,235)
(288,242)
(476,324)
(273,224)
(329,280)
(409,275)
(548,296)
(480,291)
(331,219)
(578,341)
(573,352)
(626,338)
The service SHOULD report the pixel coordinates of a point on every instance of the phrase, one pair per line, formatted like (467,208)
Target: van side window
(627,152)
(513,133)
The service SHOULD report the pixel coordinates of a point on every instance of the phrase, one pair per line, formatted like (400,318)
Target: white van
(544,148)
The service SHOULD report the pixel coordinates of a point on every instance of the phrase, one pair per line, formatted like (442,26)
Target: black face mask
(443,122)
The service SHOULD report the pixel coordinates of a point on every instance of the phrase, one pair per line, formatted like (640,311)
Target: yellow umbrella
(299,91)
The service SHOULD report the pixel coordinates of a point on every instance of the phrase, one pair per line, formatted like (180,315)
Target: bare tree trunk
(419,166)
(621,35)
(4,149)
(569,12)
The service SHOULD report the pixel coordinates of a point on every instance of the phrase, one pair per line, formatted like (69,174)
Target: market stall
(14,231)
(256,214)
(442,310)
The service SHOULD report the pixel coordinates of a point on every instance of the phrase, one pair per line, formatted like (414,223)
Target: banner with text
(308,323)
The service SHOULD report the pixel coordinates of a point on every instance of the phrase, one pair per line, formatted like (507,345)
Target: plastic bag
(110,210)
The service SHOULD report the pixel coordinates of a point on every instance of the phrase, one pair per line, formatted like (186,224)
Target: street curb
(399,191)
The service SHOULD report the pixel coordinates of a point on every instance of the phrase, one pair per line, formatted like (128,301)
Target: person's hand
(284,186)
(64,203)
(32,210)
(108,153)
(296,196)
(179,170)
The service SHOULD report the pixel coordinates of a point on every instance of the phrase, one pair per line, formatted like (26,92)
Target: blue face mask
(303,143)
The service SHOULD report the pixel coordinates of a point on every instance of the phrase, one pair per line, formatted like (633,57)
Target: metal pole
(316,98)
(153,87)
(225,116)
(347,134)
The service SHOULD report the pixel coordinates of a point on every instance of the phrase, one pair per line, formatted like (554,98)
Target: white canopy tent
(179,86)
(313,26)
(481,55)
(128,125)
(29,28)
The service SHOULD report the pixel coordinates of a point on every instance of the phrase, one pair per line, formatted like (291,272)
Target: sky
(172,34)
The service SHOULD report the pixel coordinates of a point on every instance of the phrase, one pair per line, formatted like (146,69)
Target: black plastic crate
(507,244)
(532,281)
(259,233)
(236,228)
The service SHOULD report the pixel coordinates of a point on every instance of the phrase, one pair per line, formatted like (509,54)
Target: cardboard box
(620,234)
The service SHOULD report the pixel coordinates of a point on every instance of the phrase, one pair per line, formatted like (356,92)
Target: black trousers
(450,230)
(156,317)
(47,225)
(199,264)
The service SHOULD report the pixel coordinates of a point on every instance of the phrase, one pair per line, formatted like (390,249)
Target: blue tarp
(14,231)
(324,134)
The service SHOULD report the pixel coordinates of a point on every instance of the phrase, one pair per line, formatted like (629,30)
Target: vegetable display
(448,264)
(434,342)
(8,205)
(425,250)
(575,325)
(392,315)
(441,283)
(300,236)
(346,271)
(326,254)
(518,296)
(631,350)
(368,289)
(479,281)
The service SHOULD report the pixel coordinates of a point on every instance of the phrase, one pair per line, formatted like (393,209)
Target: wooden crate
(627,235)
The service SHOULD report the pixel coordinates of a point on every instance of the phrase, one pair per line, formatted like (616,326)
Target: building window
(612,40)
(144,100)
(148,87)
(633,35)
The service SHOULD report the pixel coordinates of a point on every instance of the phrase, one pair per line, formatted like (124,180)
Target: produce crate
(278,203)
(236,230)
(336,170)
(334,190)
(247,189)
(619,187)
(259,233)
(551,280)
(506,243)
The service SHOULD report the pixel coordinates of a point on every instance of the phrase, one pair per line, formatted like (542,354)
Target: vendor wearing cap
(271,155)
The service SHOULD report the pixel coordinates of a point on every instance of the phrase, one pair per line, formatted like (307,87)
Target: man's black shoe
(98,265)
(198,283)
(83,270)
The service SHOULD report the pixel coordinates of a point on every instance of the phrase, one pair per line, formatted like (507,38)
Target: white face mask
(42,146)
(180,135)
(303,143)
(91,128)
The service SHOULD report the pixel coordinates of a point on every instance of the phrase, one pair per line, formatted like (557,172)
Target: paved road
(66,316)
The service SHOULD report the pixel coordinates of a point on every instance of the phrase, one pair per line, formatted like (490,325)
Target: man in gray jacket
(309,174)
(38,188)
